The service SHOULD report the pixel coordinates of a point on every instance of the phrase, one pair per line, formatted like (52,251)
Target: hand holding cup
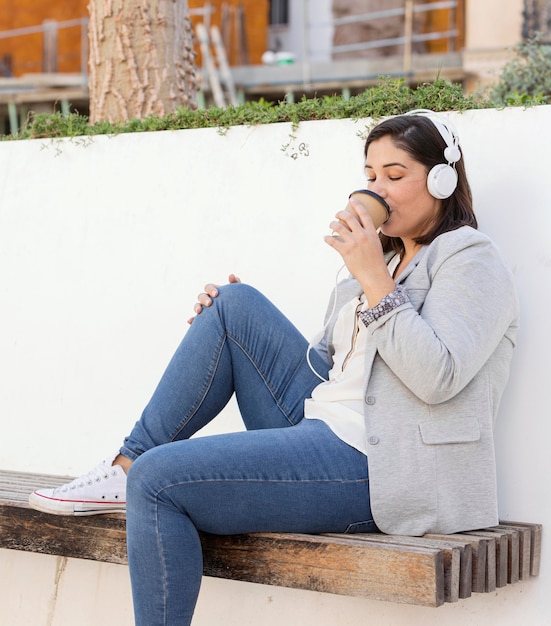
(377,208)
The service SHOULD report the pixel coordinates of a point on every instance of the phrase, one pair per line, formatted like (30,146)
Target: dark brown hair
(420,138)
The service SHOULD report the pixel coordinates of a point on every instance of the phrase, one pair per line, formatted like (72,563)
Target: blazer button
(370,400)
(373,440)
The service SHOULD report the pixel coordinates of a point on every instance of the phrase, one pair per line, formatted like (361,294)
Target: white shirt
(339,402)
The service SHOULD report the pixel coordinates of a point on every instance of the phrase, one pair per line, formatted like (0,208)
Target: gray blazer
(436,368)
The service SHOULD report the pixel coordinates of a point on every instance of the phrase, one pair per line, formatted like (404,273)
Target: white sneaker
(102,490)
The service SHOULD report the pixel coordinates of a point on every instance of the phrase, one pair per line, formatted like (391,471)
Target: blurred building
(348,44)
(275,49)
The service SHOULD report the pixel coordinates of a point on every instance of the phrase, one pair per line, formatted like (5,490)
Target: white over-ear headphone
(442,178)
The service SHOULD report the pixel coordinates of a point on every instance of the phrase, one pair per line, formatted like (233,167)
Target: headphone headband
(442,178)
(447,131)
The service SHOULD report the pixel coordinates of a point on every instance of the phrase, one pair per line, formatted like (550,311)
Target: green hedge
(388,97)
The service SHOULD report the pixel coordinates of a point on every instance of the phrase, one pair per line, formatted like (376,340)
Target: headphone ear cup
(442,181)
(452,154)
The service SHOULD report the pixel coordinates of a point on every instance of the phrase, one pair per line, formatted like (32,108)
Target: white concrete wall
(104,244)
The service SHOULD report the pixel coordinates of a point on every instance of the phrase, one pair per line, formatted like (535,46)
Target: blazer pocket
(454,430)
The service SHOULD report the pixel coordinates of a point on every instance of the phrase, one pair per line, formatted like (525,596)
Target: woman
(399,437)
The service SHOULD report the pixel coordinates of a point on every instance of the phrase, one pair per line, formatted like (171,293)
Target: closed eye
(392,178)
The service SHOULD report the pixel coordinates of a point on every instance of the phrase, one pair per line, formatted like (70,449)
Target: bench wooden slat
(403,574)
(488,583)
(535,545)
(525,541)
(457,581)
(513,552)
(427,570)
(99,538)
(491,561)
(15,487)
(473,562)
(497,572)
(479,558)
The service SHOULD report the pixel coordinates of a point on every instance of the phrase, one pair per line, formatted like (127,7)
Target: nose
(378,188)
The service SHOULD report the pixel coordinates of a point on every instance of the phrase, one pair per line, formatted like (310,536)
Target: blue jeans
(284,474)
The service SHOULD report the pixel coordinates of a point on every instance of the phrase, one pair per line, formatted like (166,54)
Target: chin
(387,231)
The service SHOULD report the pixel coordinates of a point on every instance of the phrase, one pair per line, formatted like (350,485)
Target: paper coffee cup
(377,208)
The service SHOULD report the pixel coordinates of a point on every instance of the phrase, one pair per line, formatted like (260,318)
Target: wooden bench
(427,570)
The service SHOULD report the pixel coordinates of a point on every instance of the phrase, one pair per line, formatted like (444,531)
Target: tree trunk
(141,58)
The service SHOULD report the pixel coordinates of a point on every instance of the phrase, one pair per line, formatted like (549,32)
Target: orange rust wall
(26,51)
(256,27)
(440,21)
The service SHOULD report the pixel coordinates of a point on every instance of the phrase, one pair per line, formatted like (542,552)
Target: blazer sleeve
(463,303)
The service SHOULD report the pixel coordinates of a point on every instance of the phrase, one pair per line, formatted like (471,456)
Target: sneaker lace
(97,474)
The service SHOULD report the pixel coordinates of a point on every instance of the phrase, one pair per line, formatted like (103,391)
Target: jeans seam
(208,383)
(259,480)
(253,362)
(163,560)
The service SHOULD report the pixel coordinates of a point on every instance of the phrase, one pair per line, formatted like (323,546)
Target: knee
(141,475)
(237,292)
(237,297)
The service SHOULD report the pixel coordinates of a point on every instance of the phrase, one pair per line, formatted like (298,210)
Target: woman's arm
(463,304)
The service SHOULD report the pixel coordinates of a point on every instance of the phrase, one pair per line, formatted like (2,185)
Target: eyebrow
(389,165)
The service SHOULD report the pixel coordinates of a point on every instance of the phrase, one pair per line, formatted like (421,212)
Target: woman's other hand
(355,238)
(206,297)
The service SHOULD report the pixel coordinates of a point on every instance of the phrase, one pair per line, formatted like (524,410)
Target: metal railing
(409,38)
(50,50)
(50,28)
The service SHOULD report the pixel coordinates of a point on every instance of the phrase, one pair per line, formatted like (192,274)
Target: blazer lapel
(412,265)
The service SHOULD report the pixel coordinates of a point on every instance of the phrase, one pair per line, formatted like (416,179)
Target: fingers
(351,225)
(353,219)
(205,298)
(347,219)
(332,240)
(355,213)
(361,213)
(345,224)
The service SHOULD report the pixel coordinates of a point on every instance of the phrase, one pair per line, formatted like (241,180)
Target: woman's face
(402,181)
